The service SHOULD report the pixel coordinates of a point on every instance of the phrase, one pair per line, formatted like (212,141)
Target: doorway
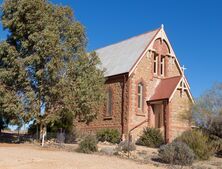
(158,112)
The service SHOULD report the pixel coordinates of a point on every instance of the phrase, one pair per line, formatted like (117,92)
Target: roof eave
(115,75)
(143,53)
(157,100)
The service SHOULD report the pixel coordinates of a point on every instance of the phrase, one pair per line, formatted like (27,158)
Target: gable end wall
(178,108)
(143,72)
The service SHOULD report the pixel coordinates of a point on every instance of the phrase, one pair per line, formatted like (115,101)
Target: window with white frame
(162,66)
(140,96)
(155,64)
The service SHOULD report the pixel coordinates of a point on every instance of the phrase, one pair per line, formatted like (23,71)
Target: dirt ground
(32,156)
(25,156)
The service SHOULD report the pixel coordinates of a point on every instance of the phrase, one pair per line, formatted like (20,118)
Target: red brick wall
(178,107)
(141,74)
(172,68)
(116,85)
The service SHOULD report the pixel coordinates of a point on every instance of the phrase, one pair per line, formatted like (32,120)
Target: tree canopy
(208,107)
(44,63)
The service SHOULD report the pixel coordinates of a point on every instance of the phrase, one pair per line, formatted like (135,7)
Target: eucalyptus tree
(50,71)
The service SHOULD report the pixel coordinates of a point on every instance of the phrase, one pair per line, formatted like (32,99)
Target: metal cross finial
(183,82)
(162,26)
(183,69)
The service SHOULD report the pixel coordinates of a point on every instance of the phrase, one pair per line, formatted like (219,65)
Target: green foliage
(126,146)
(86,84)
(151,137)
(32,129)
(10,108)
(3,122)
(88,145)
(44,62)
(198,142)
(110,135)
(71,137)
(65,122)
(177,153)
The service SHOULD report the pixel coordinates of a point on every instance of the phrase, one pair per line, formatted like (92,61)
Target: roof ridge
(128,39)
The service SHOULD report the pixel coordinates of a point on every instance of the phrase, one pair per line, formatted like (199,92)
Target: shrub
(71,137)
(88,144)
(177,153)
(60,138)
(198,142)
(110,135)
(151,137)
(108,150)
(126,146)
(216,144)
(215,126)
(214,130)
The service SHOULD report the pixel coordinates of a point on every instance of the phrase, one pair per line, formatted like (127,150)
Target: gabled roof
(124,56)
(120,57)
(165,88)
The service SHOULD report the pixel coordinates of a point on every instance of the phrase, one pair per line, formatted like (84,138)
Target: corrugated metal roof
(165,88)
(120,57)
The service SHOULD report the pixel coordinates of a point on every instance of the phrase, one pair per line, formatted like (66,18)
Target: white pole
(43,137)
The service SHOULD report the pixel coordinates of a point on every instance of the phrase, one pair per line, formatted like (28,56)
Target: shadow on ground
(6,137)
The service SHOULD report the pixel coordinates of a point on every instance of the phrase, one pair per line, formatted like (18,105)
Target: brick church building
(145,86)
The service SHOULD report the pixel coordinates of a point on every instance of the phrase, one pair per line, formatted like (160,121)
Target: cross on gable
(183,88)
(183,69)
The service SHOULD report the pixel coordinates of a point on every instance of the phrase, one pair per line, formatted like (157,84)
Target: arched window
(140,96)
(109,103)
(155,64)
(162,66)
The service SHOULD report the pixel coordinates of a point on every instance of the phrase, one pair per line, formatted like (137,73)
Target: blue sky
(194,29)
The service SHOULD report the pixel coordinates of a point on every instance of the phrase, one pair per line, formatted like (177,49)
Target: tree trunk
(18,135)
(37,132)
(43,139)
(43,134)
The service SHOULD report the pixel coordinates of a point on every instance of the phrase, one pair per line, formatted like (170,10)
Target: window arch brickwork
(162,51)
(140,97)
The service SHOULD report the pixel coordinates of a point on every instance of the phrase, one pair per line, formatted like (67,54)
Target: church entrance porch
(158,117)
